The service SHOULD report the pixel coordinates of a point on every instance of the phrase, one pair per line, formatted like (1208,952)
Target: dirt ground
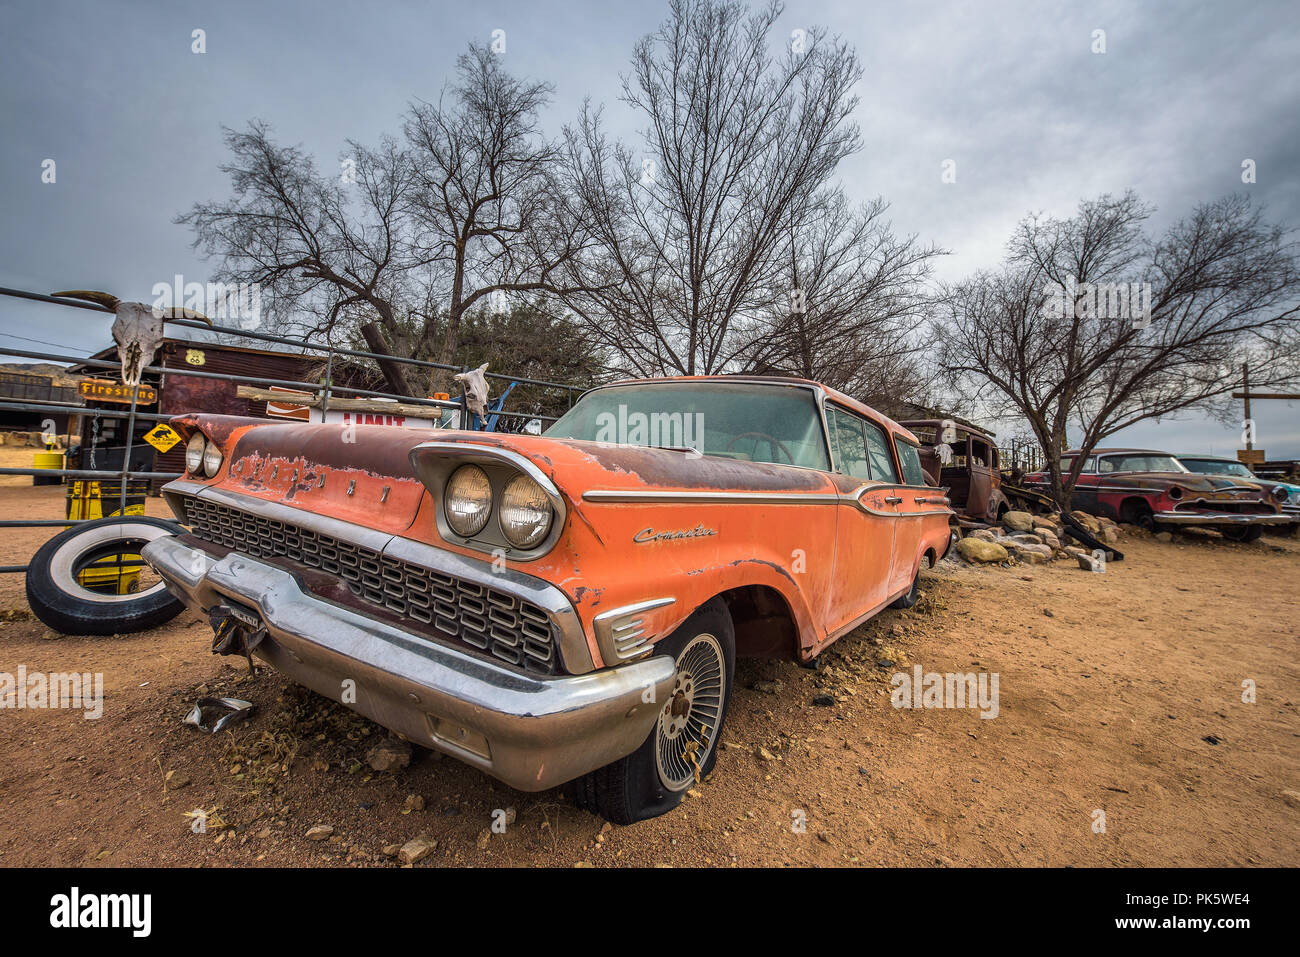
(1118,693)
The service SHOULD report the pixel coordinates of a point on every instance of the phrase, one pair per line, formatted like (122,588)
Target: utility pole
(1245,394)
(1249,456)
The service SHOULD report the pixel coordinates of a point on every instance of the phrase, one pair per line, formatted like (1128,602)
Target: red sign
(285,410)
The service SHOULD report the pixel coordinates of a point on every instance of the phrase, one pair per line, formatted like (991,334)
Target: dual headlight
(202,457)
(524,513)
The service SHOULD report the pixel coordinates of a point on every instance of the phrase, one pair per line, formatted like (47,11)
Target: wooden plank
(348,404)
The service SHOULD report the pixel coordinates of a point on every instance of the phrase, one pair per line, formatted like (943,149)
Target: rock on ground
(1087,521)
(389,754)
(416,849)
(978,550)
(1018,521)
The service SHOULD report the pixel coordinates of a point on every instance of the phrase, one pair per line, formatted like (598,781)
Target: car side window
(882,463)
(848,443)
(911,462)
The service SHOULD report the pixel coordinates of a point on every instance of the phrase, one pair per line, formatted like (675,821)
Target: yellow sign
(195,357)
(106,390)
(162,437)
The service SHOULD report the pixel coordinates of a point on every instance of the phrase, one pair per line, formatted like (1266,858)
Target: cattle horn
(176,312)
(105,299)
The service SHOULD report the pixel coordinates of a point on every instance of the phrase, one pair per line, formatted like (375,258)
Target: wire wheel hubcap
(688,722)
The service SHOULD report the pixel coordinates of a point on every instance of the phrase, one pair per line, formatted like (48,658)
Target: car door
(900,500)
(864,531)
(919,501)
(1084,497)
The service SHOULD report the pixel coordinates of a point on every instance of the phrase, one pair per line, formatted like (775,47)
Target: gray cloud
(1009,90)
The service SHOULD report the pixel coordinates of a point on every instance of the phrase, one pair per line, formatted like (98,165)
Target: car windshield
(747,421)
(1216,467)
(1139,462)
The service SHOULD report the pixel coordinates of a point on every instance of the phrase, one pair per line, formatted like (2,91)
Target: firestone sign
(106,390)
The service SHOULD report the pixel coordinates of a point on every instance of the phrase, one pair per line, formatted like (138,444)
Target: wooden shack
(175,392)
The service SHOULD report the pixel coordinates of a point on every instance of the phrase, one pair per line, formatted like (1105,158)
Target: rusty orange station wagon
(563,609)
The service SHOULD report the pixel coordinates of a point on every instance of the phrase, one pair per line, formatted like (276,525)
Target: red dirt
(1106,704)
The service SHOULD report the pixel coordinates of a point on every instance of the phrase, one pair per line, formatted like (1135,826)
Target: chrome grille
(508,628)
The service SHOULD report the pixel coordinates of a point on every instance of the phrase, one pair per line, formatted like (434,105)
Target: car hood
(576,465)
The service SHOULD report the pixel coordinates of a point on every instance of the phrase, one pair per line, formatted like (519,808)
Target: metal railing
(321,392)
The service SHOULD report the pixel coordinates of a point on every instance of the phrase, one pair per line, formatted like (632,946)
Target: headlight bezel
(434,463)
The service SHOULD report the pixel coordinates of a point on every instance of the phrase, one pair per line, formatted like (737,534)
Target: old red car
(1153,490)
(562,609)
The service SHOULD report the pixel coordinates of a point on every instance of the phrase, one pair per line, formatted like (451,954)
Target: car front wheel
(683,745)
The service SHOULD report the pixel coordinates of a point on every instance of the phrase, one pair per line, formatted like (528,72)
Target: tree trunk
(394,373)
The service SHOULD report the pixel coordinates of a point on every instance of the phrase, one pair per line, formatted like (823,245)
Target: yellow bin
(91,500)
(48,460)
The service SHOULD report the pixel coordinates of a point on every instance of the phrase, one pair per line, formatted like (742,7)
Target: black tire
(1246,533)
(1139,514)
(59,599)
(636,787)
(913,593)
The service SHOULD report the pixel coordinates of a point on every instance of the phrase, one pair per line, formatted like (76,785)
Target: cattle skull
(137,329)
(475,385)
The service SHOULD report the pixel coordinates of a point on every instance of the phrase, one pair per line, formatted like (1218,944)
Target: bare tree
(326,248)
(410,234)
(1093,325)
(490,205)
(690,227)
(857,299)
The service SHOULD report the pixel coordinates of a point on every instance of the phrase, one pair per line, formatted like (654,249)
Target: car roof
(957,424)
(860,407)
(1210,458)
(1125,451)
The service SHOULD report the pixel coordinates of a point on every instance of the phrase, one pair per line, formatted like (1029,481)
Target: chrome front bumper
(1220,518)
(532,733)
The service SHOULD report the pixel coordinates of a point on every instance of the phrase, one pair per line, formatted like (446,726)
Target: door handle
(893,499)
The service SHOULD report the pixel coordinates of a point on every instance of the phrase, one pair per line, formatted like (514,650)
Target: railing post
(126,454)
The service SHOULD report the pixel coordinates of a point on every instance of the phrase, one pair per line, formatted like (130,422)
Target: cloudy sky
(1011,91)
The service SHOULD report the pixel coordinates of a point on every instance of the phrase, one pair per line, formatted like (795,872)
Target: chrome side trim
(708,498)
(619,632)
(614,496)
(1220,518)
(575,653)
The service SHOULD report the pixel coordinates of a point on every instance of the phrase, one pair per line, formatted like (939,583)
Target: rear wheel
(683,746)
(913,593)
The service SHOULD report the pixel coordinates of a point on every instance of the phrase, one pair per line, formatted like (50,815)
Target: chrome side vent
(621,633)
